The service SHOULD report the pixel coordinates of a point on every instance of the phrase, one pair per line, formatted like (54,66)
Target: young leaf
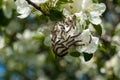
(98,28)
(55,15)
(75,54)
(87,56)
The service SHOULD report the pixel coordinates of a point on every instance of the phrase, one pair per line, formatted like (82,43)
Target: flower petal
(95,12)
(73,7)
(85,36)
(23,8)
(25,14)
(98,9)
(94,19)
(85,3)
(91,48)
(81,18)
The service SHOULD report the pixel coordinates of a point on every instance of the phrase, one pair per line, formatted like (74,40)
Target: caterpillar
(63,36)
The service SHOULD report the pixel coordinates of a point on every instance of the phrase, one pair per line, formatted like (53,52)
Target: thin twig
(36,6)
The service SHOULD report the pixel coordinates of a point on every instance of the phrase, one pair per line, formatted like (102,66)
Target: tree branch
(36,6)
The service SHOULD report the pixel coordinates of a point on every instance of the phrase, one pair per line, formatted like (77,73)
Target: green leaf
(51,56)
(102,49)
(87,22)
(64,1)
(42,19)
(98,28)
(112,49)
(4,21)
(95,1)
(75,54)
(39,36)
(1,2)
(55,15)
(87,56)
(116,2)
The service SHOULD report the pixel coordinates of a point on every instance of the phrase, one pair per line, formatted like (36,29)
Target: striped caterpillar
(64,35)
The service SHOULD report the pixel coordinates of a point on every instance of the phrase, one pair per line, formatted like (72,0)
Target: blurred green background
(25,53)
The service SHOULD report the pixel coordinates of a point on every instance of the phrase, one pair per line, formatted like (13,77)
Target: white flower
(85,8)
(91,43)
(73,7)
(95,13)
(23,8)
(77,5)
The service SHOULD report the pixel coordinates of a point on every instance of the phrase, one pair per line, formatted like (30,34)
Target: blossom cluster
(66,36)
(71,33)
